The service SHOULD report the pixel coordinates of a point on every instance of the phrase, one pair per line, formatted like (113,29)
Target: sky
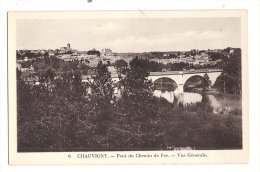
(129,35)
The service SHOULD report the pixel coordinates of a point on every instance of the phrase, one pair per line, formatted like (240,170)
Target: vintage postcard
(128,87)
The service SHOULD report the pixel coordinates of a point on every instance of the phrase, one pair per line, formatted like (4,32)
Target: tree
(18,55)
(138,109)
(49,113)
(155,66)
(102,97)
(216,56)
(83,68)
(121,65)
(138,94)
(46,54)
(18,73)
(231,75)
(136,82)
(207,83)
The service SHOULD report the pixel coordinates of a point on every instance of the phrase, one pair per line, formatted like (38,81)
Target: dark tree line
(30,55)
(158,67)
(56,65)
(64,114)
(216,56)
(230,80)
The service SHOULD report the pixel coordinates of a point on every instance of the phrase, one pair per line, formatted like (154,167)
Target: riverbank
(202,91)
(164,88)
(213,91)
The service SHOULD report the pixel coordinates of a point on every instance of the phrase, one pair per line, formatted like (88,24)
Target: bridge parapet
(185,72)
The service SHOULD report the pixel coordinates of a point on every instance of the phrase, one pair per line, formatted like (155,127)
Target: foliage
(231,75)
(18,73)
(102,96)
(216,56)
(58,66)
(60,115)
(158,67)
(155,66)
(121,66)
(207,83)
(49,109)
(28,54)
(136,83)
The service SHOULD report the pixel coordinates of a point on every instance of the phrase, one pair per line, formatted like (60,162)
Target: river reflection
(220,103)
(185,98)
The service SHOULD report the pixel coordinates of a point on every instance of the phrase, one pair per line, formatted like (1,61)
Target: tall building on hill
(102,52)
(108,52)
(64,50)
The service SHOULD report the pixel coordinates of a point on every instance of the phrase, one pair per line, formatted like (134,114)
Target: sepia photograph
(122,84)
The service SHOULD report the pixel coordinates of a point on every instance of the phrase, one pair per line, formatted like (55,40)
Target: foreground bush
(59,115)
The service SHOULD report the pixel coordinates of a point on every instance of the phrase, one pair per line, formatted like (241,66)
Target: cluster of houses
(91,57)
(196,60)
(194,57)
(24,69)
(65,50)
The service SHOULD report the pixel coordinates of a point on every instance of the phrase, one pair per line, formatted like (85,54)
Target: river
(221,103)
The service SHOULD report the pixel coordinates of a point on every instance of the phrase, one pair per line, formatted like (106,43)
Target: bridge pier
(180,88)
(179,98)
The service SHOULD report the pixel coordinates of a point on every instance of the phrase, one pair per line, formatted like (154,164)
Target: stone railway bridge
(179,77)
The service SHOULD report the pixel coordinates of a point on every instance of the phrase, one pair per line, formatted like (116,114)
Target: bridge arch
(154,78)
(165,83)
(198,80)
